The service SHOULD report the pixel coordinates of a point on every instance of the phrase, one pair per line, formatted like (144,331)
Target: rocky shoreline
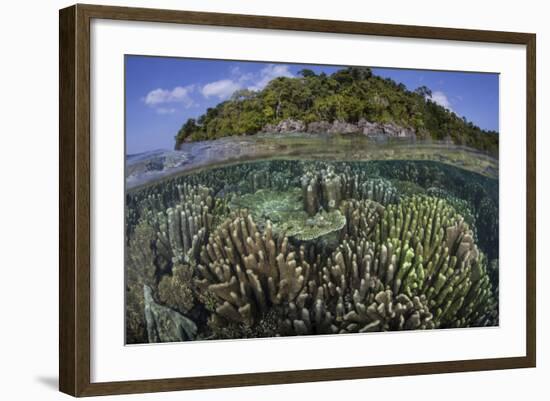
(363,127)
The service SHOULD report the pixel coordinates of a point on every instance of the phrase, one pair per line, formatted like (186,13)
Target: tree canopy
(349,94)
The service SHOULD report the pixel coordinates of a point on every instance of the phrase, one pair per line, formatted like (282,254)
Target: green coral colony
(280,248)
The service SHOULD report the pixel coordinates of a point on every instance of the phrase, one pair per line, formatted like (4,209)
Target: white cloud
(165,110)
(158,97)
(239,76)
(224,88)
(268,73)
(441,99)
(221,89)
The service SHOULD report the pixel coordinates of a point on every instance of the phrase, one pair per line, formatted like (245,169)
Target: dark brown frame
(74,199)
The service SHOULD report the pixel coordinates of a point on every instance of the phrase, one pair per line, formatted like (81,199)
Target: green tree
(307,73)
(423,91)
(349,94)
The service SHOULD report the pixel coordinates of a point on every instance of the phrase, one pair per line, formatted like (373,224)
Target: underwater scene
(308,223)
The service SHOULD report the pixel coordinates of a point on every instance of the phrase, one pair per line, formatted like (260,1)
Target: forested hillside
(349,95)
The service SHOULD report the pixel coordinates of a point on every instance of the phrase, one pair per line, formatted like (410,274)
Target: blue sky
(163,92)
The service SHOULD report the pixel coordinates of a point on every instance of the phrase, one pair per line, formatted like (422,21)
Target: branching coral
(248,270)
(312,192)
(461,206)
(379,190)
(140,271)
(182,229)
(308,248)
(348,296)
(487,219)
(177,289)
(431,251)
(361,217)
(388,312)
(420,270)
(327,189)
(159,240)
(411,266)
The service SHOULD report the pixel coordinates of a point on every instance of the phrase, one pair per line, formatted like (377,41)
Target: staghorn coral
(461,206)
(425,174)
(248,271)
(431,251)
(327,189)
(421,271)
(311,192)
(493,272)
(388,312)
(182,228)
(380,190)
(347,296)
(385,279)
(361,217)
(266,177)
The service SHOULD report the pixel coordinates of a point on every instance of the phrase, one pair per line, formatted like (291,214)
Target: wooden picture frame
(74,200)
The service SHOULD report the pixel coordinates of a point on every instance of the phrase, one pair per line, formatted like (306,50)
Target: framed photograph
(250,200)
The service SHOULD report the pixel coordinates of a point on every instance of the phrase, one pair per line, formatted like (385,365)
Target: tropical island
(352,100)
(314,204)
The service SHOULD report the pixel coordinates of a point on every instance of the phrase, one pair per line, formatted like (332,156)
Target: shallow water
(410,176)
(147,168)
(262,248)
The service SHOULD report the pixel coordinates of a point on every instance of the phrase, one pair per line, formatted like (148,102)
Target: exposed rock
(319,127)
(361,127)
(165,324)
(286,127)
(369,129)
(336,127)
(393,130)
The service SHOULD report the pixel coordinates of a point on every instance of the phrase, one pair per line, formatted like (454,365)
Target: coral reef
(486,217)
(140,270)
(326,189)
(165,324)
(248,270)
(177,289)
(182,228)
(439,259)
(294,248)
(402,276)
(284,210)
(266,204)
(361,217)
